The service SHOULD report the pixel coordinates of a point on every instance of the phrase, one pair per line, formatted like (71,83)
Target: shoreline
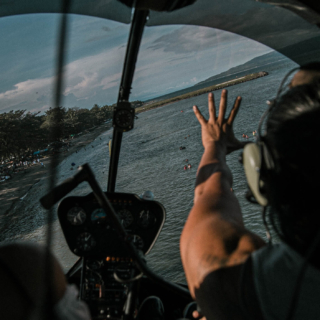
(199,92)
(16,188)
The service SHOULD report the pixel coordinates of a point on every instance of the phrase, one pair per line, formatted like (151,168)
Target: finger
(234,111)
(197,315)
(199,116)
(223,106)
(212,107)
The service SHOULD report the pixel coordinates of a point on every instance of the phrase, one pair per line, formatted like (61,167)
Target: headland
(249,77)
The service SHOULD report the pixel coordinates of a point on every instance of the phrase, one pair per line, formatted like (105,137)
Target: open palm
(218,129)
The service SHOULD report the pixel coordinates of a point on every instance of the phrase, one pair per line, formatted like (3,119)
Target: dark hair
(311,66)
(293,136)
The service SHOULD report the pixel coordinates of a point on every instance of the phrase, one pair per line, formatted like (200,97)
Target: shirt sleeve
(228,293)
(70,308)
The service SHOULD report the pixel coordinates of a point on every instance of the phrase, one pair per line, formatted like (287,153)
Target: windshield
(176,66)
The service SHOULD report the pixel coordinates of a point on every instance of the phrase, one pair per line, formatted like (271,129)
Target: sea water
(151,159)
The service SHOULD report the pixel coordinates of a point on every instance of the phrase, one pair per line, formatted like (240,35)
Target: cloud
(84,79)
(191,38)
(25,93)
(166,65)
(42,109)
(98,72)
(171,58)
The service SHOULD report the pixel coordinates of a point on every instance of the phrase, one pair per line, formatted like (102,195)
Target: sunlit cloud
(171,58)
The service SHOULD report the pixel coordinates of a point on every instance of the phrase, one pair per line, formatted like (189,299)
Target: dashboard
(89,231)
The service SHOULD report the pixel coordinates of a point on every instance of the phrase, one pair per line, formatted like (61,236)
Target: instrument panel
(89,231)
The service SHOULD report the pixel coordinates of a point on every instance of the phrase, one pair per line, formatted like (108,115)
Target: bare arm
(214,235)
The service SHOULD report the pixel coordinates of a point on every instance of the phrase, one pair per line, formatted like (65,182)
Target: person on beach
(225,263)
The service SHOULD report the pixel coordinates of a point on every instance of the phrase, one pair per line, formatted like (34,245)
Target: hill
(306,51)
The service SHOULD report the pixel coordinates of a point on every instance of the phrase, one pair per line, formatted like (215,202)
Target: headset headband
(272,103)
(258,158)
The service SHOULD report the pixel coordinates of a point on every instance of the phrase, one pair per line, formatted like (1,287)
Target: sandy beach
(14,189)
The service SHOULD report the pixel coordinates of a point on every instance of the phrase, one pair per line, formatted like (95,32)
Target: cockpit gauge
(94,264)
(125,217)
(85,241)
(123,116)
(98,216)
(138,242)
(76,216)
(146,219)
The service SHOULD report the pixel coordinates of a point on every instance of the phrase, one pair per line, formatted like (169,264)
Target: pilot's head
(293,137)
(23,280)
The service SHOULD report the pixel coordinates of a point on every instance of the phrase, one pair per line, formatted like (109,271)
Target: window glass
(177,66)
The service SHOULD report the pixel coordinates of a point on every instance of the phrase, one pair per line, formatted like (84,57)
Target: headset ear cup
(267,157)
(252,167)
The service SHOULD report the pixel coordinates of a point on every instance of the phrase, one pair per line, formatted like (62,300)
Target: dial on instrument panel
(94,265)
(85,241)
(146,219)
(138,242)
(76,216)
(98,216)
(123,116)
(126,217)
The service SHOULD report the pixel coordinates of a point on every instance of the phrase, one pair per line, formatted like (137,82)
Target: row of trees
(22,132)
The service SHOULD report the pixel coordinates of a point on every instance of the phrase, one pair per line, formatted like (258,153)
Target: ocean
(150,159)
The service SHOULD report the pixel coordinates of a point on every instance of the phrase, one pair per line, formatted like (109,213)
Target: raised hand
(218,129)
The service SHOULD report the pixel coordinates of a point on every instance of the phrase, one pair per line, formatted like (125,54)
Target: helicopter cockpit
(110,232)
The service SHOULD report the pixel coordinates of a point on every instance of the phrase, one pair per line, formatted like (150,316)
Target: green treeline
(23,132)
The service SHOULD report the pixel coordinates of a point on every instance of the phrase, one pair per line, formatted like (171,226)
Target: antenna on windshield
(55,134)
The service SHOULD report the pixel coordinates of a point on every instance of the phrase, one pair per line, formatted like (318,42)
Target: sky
(171,58)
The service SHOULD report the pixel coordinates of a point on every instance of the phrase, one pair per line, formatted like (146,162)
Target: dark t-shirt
(229,294)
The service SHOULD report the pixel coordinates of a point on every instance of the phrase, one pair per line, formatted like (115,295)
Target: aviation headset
(258,159)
